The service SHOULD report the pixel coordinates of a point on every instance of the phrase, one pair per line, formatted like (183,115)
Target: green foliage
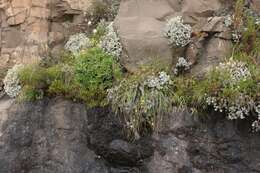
(31,94)
(100,31)
(62,80)
(248,49)
(95,72)
(34,76)
(85,77)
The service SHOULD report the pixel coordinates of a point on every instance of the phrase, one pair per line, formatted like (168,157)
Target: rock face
(58,136)
(30,29)
(140,26)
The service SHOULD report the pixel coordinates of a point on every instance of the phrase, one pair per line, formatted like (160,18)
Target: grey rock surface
(59,136)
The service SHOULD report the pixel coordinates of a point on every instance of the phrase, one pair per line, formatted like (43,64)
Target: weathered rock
(58,136)
(31,28)
(140,26)
(213,52)
(187,144)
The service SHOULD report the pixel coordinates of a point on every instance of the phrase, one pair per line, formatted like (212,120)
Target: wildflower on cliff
(177,32)
(11,81)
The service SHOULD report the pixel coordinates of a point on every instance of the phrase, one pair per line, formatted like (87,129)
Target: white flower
(256,125)
(94,31)
(11,81)
(77,42)
(228,21)
(158,82)
(237,69)
(177,33)
(236,36)
(164,78)
(257,21)
(181,65)
(111,42)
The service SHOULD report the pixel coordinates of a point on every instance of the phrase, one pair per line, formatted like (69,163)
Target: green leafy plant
(95,71)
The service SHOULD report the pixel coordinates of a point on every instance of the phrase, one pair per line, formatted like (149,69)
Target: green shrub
(31,94)
(95,72)
(84,77)
(62,80)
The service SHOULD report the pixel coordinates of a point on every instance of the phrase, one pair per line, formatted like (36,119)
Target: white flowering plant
(228,20)
(178,33)
(234,90)
(181,66)
(77,43)
(11,81)
(110,43)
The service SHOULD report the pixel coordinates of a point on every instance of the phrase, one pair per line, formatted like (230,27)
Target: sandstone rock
(27,27)
(17,18)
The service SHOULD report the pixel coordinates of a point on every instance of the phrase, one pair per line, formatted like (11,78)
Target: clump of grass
(238,13)
(140,100)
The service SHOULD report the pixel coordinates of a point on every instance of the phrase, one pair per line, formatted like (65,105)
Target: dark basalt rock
(59,136)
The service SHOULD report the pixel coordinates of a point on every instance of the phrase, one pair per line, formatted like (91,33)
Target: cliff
(96,111)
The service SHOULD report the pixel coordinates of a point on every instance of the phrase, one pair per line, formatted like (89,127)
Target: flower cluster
(77,42)
(111,42)
(238,109)
(11,81)
(236,36)
(177,32)
(237,69)
(234,101)
(256,123)
(181,66)
(228,21)
(158,82)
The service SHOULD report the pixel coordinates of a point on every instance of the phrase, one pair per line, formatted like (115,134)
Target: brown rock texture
(29,29)
(140,26)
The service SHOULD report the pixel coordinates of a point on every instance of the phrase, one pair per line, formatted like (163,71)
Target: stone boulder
(140,26)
